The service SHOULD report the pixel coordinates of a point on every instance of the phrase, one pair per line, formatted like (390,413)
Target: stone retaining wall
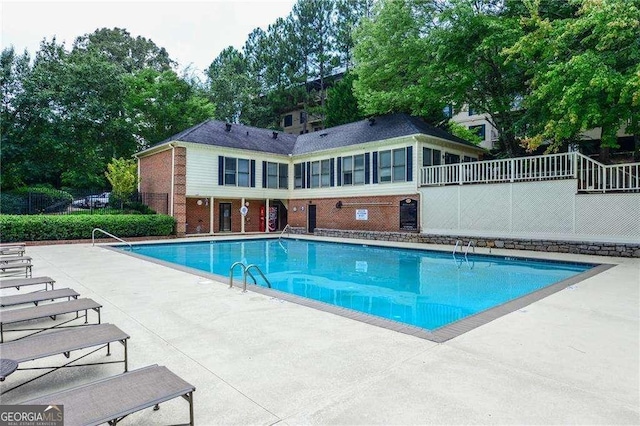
(576,247)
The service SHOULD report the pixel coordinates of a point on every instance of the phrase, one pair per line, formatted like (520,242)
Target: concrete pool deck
(571,358)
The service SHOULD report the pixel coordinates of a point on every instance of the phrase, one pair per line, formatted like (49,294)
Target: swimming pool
(426,289)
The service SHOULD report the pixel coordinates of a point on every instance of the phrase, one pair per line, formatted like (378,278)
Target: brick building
(360,176)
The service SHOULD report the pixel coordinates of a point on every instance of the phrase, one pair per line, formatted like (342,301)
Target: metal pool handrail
(246,271)
(93,237)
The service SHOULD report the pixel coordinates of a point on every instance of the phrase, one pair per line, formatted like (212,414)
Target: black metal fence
(53,201)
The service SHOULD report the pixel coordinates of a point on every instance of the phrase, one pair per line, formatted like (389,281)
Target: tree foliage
(67,113)
(231,85)
(122,174)
(584,71)
(342,105)
(544,70)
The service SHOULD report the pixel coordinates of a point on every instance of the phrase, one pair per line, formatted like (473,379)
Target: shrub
(71,227)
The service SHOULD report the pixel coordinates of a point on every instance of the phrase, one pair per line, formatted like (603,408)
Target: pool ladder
(246,270)
(466,252)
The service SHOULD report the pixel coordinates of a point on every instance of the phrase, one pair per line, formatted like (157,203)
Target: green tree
(122,174)
(161,104)
(342,105)
(418,56)
(463,132)
(118,47)
(15,70)
(231,86)
(389,53)
(584,71)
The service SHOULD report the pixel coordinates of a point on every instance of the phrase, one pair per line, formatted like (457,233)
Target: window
(288,120)
(303,116)
(237,172)
(392,165)
(353,170)
(283,176)
(451,158)
(272,175)
(230,168)
(479,130)
(276,175)
(447,111)
(298,175)
(467,159)
(399,165)
(315,175)
(320,174)
(472,111)
(384,167)
(431,157)
(243,172)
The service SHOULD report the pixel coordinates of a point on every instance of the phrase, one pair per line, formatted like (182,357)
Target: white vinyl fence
(540,209)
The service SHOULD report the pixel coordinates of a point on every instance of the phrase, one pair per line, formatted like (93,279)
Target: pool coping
(439,335)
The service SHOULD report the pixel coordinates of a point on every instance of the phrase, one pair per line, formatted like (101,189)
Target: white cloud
(192,32)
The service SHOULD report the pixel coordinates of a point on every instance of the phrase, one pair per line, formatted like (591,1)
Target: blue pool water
(423,288)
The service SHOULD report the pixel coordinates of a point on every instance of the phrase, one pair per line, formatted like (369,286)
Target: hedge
(15,228)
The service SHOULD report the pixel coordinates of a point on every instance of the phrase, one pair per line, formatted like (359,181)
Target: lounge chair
(112,399)
(14,259)
(14,269)
(22,282)
(37,297)
(15,248)
(49,310)
(63,342)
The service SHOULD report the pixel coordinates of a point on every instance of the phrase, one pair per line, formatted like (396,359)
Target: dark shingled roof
(384,127)
(213,132)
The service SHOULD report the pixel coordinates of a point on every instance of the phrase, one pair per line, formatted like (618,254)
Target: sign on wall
(409,215)
(362,214)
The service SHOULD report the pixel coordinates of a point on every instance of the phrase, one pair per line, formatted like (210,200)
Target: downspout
(138,171)
(173,177)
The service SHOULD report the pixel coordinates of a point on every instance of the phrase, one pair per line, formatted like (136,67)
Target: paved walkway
(571,358)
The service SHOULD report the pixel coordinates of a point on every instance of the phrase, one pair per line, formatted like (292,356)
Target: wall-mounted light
(206,201)
(295,209)
(246,204)
(199,202)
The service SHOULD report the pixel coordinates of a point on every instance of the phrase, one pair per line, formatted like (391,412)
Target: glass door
(225,217)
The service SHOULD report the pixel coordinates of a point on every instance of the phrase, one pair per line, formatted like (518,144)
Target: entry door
(225,217)
(311,223)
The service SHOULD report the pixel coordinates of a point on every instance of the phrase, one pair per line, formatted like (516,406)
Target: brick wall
(383,212)
(155,173)
(155,176)
(197,216)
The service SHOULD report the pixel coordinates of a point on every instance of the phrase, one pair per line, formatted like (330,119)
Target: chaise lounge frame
(63,342)
(23,282)
(51,310)
(112,399)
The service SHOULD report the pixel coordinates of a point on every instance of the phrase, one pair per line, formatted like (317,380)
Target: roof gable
(239,136)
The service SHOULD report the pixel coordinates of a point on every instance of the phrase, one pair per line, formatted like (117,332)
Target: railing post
(460,177)
(512,169)
(574,162)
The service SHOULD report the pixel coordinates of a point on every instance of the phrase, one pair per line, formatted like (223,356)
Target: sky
(193,33)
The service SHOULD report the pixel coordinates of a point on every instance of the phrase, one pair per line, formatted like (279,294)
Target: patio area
(571,358)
